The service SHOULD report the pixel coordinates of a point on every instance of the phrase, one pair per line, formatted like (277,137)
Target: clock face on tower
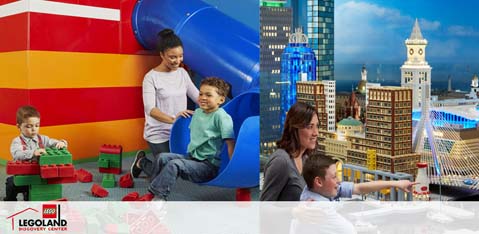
(420,51)
(411,51)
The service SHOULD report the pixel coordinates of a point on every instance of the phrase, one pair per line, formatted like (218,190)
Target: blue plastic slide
(214,43)
(243,169)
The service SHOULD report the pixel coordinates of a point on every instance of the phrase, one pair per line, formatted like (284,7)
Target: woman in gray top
(282,174)
(165,89)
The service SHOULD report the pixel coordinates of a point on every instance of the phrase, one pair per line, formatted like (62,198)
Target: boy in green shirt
(209,127)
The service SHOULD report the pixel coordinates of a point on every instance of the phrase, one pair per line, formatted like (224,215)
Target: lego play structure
(233,56)
(82,65)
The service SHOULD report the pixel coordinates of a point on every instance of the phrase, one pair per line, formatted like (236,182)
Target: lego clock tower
(416,72)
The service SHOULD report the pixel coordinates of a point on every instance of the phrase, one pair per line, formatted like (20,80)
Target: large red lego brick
(146,197)
(48,171)
(66,170)
(110,170)
(111,149)
(98,191)
(126,181)
(54,171)
(243,194)
(62,180)
(84,176)
(23,168)
(133,196)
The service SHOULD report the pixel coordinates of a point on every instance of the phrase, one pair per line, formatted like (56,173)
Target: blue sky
(368,31)
(245,11)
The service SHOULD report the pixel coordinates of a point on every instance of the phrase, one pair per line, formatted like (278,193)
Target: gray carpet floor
(182,191)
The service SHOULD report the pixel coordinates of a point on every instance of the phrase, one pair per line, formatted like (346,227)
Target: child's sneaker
(134,170)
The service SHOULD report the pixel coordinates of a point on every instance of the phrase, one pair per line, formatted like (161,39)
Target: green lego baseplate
(108,181)
(55,156)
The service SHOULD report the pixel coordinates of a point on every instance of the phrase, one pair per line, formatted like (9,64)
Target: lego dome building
(350,126)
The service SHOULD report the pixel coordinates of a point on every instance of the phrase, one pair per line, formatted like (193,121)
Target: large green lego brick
(108,181)
(112,157)
(115,164)
(20,180)
(46,189)
(44,197)
(105,163)
(56,156)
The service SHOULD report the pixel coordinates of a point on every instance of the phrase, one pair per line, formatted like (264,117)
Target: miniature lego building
(276,23)
(298,63)
(421,190)
(312,93)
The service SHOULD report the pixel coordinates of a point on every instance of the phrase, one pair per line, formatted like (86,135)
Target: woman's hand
(185,113)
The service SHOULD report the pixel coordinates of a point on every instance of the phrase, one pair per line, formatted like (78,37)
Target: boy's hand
(406,185)
(60,145)
(39,152)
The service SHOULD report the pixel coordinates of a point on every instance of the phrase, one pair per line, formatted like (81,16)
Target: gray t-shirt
(166,91)
(282,180)
(25,152)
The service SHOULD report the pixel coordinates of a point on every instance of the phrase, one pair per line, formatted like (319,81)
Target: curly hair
(221,85)
(167,40)
(299,116)
(25,112)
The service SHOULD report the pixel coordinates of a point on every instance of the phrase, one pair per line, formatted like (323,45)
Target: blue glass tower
(298,63)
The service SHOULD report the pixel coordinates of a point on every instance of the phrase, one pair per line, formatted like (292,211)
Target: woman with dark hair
(165,91)
(282,174)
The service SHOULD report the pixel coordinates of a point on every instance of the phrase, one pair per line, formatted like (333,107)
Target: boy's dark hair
(299,116)
(221,85)
(167,40)
(26,112)
(316,166)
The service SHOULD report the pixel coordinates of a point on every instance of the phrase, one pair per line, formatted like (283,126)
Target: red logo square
(49,211)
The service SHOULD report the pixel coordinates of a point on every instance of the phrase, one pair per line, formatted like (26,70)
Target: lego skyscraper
(275,28)
(298,63)
(320,30)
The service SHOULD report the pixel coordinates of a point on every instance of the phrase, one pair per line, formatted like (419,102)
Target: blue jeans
(157,148)
(170,166)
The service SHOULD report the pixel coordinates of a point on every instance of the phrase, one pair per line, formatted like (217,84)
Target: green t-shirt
(207,132)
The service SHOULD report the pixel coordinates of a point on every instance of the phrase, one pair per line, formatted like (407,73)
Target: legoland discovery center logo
(50,220)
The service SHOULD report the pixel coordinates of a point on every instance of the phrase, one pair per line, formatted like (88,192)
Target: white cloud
(369,30)
(443,49)
(429,25)
(459,30)
(354,9)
